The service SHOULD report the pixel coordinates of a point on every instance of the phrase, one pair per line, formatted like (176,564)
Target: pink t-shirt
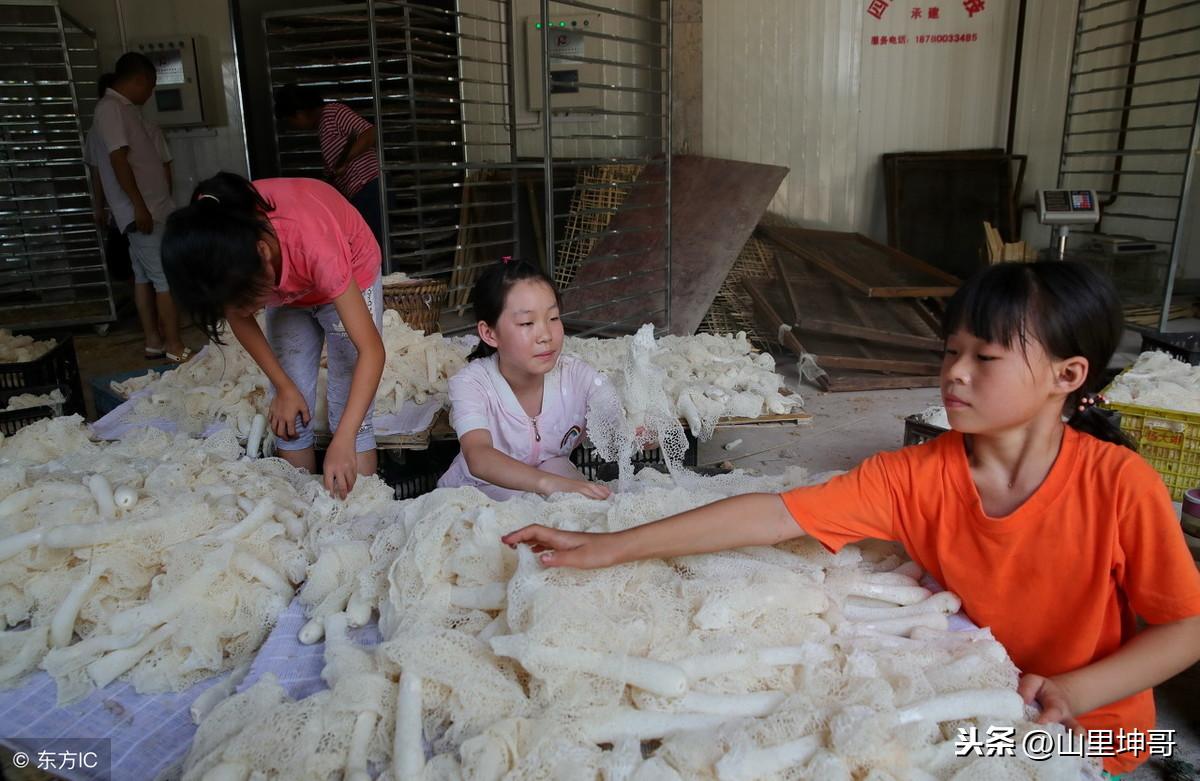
(323,239)
(480,398)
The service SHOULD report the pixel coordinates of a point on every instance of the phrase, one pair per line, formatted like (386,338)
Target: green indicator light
(562,24)
(539,25)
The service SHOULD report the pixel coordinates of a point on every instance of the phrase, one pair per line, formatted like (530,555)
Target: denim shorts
(297,336)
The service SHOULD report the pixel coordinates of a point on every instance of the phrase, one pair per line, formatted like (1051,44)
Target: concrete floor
(120,349)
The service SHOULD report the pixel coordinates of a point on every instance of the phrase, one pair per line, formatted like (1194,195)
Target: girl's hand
(341,467)
(287,404)
(1051,696)
(589,489)
(555,548)
(640,432)
(565,485)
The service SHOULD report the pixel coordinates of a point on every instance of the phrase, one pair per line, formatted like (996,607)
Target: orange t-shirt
(1059,581)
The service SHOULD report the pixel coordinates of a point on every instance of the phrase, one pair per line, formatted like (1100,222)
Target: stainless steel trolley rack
(52,270)
(471,172)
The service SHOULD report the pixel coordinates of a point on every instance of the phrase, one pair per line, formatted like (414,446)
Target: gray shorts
(297,335)
(145,254)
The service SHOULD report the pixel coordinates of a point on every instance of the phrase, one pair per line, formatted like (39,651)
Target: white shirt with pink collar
(480,398)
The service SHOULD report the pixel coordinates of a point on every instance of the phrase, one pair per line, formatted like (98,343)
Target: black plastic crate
(58,366)
(917,431)
(12,421)
(1184,345)
(595,468)
(412,473)
(104,398)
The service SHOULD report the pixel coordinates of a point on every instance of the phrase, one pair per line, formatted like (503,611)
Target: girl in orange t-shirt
(1034,509)
(298,248)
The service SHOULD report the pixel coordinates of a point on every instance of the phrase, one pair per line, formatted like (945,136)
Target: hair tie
(202,196)
(1089,400)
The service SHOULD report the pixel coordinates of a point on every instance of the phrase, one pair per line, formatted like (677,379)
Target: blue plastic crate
(103,396)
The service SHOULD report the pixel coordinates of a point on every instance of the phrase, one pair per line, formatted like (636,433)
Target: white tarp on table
(412,418)
(151,733)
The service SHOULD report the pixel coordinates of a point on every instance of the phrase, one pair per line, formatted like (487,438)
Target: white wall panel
(930,96)
(801,84)
(530,137)
(484,60)
(1042,101)
(781,86)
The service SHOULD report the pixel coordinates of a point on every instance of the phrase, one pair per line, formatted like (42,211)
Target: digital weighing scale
(1064,208)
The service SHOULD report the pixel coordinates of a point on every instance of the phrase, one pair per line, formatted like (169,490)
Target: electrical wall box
(178,100)
(574,56)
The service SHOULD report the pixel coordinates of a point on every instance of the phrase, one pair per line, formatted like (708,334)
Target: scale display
(1068,207)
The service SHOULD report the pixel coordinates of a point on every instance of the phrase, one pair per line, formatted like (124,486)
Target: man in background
(347,146)
(116,243)
(138,192)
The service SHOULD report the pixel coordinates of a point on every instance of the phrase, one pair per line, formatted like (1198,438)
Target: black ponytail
(210,250)
(491,291)
(1089,418)
(235,194)
(1070,308)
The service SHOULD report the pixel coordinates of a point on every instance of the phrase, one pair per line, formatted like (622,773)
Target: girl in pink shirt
(519,406)
(298,248)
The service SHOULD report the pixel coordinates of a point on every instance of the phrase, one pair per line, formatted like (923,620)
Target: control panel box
(575,54)
(178,100)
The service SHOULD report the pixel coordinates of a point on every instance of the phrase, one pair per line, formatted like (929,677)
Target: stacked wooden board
(869,316)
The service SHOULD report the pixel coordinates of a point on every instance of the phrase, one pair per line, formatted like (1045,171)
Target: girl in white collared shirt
(519,407)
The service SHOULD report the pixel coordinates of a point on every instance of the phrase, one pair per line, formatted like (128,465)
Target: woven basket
(419,302)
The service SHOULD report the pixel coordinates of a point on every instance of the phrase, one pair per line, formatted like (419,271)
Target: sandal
(155,353)
(183,357)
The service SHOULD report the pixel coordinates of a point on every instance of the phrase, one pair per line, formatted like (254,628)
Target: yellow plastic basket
(1169,440)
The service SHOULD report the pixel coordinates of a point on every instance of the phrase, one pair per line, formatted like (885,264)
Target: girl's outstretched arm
(736,522)
(498,468)
(1154,655)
